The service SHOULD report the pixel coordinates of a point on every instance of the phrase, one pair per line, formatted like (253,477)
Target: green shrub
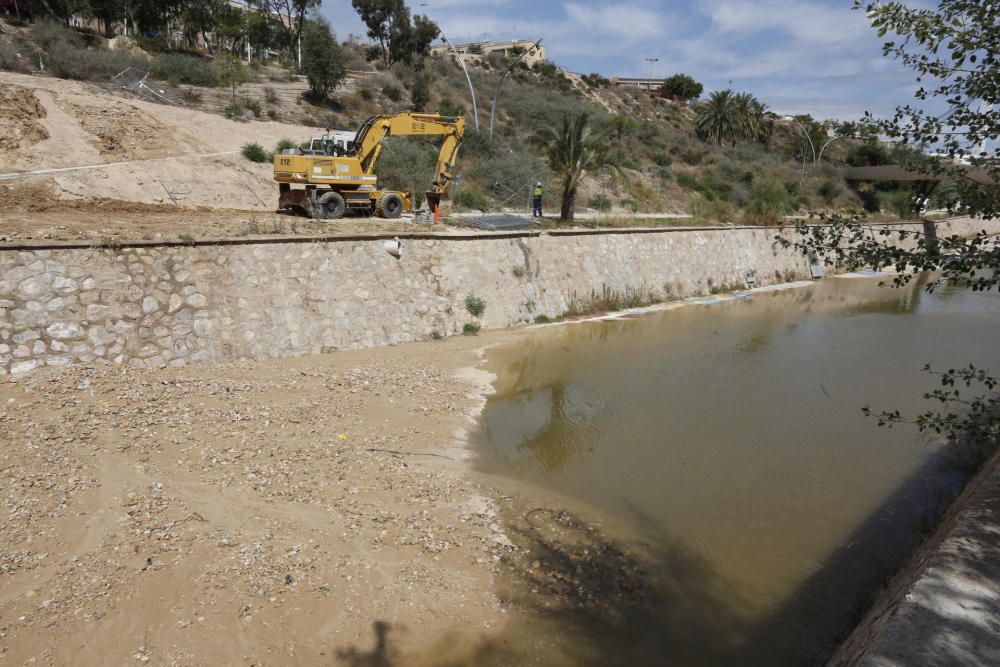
(448,108)
(11,60)
(711,210)
(609,300)
(270,96)
(48,34)
(255,153)
(596,80)
(686,180)
(868,154)
(473,201)
(600,203)
(770,200)
(630,204)
(177,68)
(475,305)
(470,329)
(392,92)
(663,159)
(829,190)
(284,144)
(665,172)
(254,106)
(421,93)
(407,163)
(366,94)
(898,202)
(68,62)
(713,188)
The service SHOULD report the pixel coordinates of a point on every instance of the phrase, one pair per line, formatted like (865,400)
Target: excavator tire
(390,205)
(330,206)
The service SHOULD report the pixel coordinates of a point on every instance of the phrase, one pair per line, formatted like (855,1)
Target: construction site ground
(79,162)
(258,513)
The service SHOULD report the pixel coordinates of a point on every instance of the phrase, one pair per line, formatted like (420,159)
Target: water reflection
(724,447)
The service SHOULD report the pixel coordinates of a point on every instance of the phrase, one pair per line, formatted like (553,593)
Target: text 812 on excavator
(327,185)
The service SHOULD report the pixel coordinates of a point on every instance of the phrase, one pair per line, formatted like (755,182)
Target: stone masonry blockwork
(174,305)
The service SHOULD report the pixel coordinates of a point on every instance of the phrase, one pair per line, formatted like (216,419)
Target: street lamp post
(472,89)
(496,94)
(812,146)
(822,150)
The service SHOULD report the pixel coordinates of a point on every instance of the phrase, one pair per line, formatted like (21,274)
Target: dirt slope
(54,124)
(21,113)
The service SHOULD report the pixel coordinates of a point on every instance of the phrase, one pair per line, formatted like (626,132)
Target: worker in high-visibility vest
(537,212)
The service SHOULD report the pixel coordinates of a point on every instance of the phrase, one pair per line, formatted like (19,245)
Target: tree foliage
(575,150)
(323,61)
(683,87)
(421,93)
(953,49)
(733,117)
(400,37)
(294,25)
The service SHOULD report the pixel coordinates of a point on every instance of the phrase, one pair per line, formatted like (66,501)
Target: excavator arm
(372,135)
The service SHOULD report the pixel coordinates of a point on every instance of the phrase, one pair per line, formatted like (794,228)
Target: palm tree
(575,150)
(767,119)
(751,114)
(720,119)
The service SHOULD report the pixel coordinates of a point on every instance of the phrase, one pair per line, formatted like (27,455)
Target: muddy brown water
(706,488)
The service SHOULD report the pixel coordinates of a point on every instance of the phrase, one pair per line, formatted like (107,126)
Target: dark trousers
(537,212)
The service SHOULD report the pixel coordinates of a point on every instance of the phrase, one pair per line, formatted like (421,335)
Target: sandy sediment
(307,511)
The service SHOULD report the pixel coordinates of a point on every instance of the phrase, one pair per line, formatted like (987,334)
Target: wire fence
(134,81)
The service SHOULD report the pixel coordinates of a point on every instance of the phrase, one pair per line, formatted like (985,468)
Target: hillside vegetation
(661,166)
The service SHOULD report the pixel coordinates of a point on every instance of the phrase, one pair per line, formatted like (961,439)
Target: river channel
(704,489)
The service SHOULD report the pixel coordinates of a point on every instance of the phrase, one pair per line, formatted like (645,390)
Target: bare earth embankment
(129,169)
(259,513)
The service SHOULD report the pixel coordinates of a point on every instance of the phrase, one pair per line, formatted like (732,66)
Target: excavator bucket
(441,202)
(297,201)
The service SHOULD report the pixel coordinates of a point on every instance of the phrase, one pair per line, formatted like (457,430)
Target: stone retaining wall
(149,304)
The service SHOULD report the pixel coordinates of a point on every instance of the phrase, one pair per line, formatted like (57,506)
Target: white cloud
(807,22)
(817,56)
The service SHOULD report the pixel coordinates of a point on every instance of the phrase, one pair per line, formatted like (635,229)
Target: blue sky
(799,56)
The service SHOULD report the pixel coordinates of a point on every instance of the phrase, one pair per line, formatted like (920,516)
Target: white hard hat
(539,183)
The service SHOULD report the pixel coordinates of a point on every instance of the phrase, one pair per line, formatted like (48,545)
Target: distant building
(651,86)
(478,50)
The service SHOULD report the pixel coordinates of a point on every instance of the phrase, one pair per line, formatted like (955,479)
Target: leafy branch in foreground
(972,263)
(851,244)
(953,49)
(975,419)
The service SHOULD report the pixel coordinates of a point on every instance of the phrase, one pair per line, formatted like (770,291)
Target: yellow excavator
(328,180)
